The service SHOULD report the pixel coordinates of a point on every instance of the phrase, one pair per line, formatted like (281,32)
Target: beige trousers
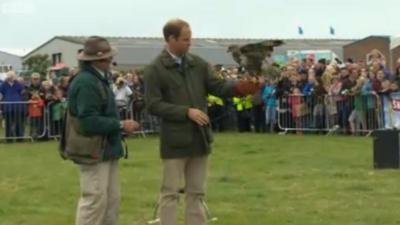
(100,194)
(190,174)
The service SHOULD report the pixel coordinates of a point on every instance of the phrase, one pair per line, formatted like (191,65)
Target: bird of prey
(254,56)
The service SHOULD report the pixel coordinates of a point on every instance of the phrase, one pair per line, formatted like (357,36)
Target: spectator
(333,99)
(35,113)
(344,73)
(258,108)
(284,83)
(13,108)
(397,70)
(129,79)
(243,111)
(302,79)
(320,67)
(357,117)
(63,85)
(270,103)
(380,76)
(318,106)
(58,107)
(23,82)
(138,103)
(368,91)
(298,108)
(326,78)
(35,86)
(48,91)
(373,84)
(345,104)
(216,113)
(308,88)
(394,86)
(53,79)
(123,95)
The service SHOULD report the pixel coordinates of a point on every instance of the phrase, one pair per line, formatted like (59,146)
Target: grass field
(254,179)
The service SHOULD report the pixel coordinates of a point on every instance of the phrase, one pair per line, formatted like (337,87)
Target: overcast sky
(28,23)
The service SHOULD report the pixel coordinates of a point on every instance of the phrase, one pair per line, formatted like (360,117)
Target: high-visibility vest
(243,103)
(214,100)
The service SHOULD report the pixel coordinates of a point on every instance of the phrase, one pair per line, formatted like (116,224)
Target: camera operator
(123,95)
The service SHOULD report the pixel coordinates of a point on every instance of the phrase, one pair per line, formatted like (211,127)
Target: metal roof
(142,50)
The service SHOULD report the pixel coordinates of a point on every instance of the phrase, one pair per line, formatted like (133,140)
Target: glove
(244,88)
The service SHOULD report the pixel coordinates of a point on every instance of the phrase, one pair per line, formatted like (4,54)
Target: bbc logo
(17,7)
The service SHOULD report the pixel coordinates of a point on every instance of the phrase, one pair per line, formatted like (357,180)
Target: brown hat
(96,48)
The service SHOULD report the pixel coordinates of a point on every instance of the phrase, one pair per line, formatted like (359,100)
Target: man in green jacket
(92,102)
(176,87)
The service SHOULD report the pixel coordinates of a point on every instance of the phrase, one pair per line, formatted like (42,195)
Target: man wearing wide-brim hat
(92,115)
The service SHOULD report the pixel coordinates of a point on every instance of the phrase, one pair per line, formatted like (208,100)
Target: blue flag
(332,30)
(300,30)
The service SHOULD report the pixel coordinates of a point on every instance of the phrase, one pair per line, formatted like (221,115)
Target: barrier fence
(22,120)
(341,113)
(33,120)
(360,114)
(148,124)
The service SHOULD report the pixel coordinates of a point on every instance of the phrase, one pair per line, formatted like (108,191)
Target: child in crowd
(36,112)
(298,107)
(58,107)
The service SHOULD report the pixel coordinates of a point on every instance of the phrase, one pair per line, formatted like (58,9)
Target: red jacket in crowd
(36,107)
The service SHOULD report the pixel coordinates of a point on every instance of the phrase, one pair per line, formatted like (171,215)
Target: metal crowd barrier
(18,124)
(359,114)
(55,112)
(148,124)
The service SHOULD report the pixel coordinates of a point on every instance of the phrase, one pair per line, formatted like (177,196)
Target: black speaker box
(386,149)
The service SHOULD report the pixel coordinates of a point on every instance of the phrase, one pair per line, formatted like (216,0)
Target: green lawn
(254,179)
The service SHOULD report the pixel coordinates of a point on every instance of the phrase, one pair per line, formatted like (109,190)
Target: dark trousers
(372,120)
(217,117)
(55,127)
(36,127)
(123,113)
(137,108)
(259,119)
(15,122)
(344,111)
(244,120)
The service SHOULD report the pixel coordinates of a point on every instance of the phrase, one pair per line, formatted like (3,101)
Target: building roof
(212,49)
(10,54)
(205,42)
(366,38)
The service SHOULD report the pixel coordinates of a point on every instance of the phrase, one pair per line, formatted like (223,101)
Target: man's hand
(129,126)
(198,116)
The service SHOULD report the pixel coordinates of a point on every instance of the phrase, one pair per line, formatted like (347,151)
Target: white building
(8,62)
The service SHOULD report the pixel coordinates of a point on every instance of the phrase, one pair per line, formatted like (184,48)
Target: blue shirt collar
(177,59)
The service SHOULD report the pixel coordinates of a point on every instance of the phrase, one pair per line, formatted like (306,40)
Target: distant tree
(39,63)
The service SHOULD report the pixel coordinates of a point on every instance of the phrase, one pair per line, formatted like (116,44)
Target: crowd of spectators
(302,95)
